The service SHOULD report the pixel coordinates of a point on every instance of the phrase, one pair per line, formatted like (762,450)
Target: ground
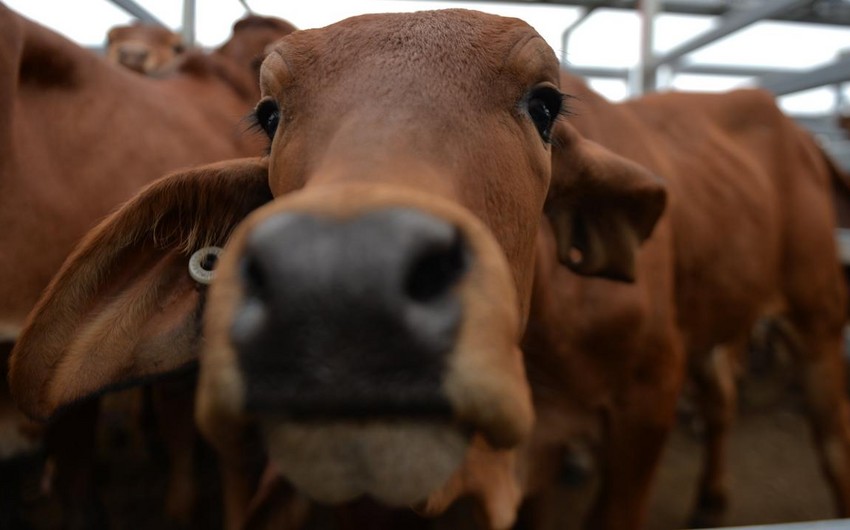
(774,474)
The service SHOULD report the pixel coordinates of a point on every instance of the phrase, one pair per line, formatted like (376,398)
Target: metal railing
(187,31)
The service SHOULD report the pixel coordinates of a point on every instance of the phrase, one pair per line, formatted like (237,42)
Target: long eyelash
(251,122)
(251,125)
(564,113)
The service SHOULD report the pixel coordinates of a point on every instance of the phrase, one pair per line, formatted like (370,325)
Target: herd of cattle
(453,277)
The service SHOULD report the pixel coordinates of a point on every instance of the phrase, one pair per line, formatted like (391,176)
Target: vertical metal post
(565,36)
(188,30)
(840,101)
(643,78)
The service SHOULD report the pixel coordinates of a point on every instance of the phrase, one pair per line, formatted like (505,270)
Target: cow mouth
(396,462)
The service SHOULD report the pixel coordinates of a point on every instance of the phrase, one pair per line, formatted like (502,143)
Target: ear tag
(202,264)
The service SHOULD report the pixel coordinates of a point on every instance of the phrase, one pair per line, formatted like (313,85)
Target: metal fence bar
(188,30)
(731,24)
(836,72)
(138,11)
(565,36)
(599,71)
(827,12)
(645,74)
(697,69)
(735,71)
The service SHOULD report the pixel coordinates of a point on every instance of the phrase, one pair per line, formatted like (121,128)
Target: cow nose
(351,317)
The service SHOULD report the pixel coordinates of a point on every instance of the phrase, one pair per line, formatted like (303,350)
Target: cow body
(78,137)
(400,296)
(748,234)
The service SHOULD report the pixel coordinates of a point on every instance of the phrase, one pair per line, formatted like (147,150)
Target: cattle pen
(776,482)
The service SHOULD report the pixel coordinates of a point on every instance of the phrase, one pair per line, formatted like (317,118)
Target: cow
(423,263)
(78,137)
(143,48)
(752,242)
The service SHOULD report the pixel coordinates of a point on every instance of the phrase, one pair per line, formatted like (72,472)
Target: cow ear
(601,205)
(124,308)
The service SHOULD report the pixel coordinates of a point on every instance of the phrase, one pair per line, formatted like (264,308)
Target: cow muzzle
(349,318)
(370,334)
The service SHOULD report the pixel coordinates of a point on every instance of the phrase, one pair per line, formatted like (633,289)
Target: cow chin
(395,463)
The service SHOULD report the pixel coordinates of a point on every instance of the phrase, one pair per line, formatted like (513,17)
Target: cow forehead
(431,49)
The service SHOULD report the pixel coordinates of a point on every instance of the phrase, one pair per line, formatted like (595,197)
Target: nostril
(437,269)
(254,278)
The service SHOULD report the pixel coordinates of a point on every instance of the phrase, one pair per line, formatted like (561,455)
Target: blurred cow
(78,137)
(143,48)
(751,226)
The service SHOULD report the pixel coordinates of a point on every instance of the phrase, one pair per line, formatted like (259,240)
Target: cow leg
(635,436)
(276,504)
(716,394)
(242,464)
(71,443)
(174,408)
(819,351)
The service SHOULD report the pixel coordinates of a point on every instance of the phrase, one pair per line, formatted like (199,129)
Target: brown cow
(457,201)
(143,48)
(78,136)
(752,236)
(394,313)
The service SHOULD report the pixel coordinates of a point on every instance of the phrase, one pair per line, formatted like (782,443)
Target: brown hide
(340,156)
(443,119)
(79,136)
(748,233)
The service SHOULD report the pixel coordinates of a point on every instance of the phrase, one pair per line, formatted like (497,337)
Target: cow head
(367,319)
(251,37)
(144,48)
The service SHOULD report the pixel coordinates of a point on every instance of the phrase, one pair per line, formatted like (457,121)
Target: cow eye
(544,106)
(268,116)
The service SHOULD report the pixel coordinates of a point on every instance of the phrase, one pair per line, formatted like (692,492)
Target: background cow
(143,48)
(752,235)
(78,137)
(366,323)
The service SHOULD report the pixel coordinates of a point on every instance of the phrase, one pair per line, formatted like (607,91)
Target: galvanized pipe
(139,12)
(730,24)
(643,77)
(568,32)
(188,29)
(837,72)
